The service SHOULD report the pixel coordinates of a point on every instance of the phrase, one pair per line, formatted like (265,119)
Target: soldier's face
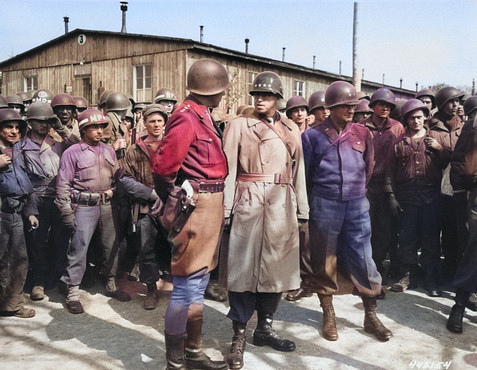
(321,114)
(265,103)
(427,101)
(64,113)
(298,115)
(9,133)
(39,127)
(415,121)
(450,108)
(382,109)
(168,105)
(93,134)
(155,125)
(342,114)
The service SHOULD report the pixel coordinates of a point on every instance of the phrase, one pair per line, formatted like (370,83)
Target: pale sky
(423,41)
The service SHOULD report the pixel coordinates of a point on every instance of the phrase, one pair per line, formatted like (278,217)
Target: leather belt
(276,178)
(208,187)
(90,198)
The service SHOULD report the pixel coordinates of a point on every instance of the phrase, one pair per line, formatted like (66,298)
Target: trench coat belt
(208,187)
(276,178)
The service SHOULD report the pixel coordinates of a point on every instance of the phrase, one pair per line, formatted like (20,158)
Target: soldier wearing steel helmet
(384,131)
(447,125)
(316,102)
(17,200)
(413,182)
(48,244)
(167,98)
(116,134)
(297,110)
(154,249)
(194,176)
(85,189)
(265,200)
(339,157)
(64,107)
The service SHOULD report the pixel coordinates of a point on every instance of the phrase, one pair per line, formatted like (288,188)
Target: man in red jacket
(190,167)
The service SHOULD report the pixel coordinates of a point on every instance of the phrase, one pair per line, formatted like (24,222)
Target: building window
(142,83)
(299,88)
(31,83)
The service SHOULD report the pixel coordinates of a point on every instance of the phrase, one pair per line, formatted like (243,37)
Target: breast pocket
(86,168)
(205,144)
(359,146)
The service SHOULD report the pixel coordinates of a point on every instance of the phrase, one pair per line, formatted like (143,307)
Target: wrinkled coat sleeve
(63,186)
(232,135)
(463,172)
(299,181)
(129,180)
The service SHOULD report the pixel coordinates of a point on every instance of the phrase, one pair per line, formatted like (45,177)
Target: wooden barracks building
(86,63)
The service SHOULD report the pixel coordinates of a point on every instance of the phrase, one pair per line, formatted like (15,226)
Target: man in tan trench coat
(265,197)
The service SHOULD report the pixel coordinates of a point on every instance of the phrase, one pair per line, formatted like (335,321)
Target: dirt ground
(114,335)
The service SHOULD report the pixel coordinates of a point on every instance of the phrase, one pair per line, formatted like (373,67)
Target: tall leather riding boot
(454,323)
(175,355)
(235,356)
(328,324)
(372,324)
(195,358)
(265,336)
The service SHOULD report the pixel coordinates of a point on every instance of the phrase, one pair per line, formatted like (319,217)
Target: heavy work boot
(265,336)
(454,323)
(195,358)
(175,355)
(235,356)
(150,302)
(328,323)
(372,324)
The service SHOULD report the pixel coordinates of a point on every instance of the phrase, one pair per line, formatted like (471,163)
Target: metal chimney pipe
(283,54)
(400,83)
(124,9)
(201,33)
(246,45)
(66,20)
(314,61)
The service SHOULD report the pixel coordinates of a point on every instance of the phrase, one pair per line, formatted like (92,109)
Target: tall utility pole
(356,75)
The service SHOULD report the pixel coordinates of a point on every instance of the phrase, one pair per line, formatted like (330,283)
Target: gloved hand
(70,222)
(55,123)
(396,209)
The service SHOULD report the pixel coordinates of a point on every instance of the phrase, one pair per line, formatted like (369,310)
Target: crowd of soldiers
(310,192)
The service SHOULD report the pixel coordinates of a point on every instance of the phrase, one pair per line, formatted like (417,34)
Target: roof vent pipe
(201,33)
(66,20)
(246,45)
(124,9)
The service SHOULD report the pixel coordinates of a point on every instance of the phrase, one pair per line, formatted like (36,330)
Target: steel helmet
(64,100)
(116,102)
(470,105)
(139,106)
(11,115)
(446,94)
(363,107)
(155,108)
(396,113)
(207,77)
(80,102)
(296,102)
(316,100)
(411,105)
(91,116)
(361,95)
(103,97)
(40,111)
(383,95)
(13,100)
(429,93)
(340,93)
(267,82)
(24,96)
(165,94)
(3,102)
(43,95)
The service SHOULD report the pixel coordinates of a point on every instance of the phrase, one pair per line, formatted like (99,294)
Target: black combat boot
(265,336)
(454,323)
